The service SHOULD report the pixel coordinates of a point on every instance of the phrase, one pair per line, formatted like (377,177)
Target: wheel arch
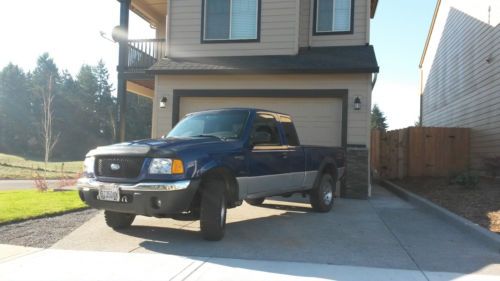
(327,166)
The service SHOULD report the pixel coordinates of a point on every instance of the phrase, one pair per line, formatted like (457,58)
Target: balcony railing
(143,53)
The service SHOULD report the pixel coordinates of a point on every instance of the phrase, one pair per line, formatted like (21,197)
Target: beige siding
(279,31)
(461,73)
(360,28)
(356,84)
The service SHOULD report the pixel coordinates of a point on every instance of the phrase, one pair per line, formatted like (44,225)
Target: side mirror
(261,138)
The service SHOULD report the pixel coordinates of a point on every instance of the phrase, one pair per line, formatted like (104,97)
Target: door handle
(284,155)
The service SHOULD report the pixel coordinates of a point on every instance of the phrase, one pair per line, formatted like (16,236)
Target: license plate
(109,193)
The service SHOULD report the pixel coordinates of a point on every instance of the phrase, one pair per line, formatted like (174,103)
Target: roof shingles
(349,59)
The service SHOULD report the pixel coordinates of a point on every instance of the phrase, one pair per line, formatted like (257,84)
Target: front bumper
(148,199)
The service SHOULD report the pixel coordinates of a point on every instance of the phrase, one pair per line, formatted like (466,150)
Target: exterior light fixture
(163,102)
(119,34)
(357,103)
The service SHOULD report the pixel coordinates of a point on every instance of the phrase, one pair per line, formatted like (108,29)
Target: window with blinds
(333,16)
(231,20)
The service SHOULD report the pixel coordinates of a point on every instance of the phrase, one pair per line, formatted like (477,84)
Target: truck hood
(152,147)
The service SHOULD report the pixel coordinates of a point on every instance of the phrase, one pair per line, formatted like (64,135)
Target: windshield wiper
(208,136)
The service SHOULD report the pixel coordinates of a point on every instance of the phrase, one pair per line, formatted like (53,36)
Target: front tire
(256,201)
(118,220)
(321,196)
(213,210)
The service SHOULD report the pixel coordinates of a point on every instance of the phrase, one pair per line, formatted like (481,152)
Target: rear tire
(256,201)
(321,196)
(118,220)
(213,210)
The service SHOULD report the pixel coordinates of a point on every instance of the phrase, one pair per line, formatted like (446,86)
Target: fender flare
(322,167)
(232,187)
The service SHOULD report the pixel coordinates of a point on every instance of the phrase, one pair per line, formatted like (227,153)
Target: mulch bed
(43,232)
(480,205)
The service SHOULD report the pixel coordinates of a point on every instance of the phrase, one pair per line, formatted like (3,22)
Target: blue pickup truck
(209,162)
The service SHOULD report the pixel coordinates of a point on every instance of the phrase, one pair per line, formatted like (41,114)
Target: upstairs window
(333,17)
(231,20)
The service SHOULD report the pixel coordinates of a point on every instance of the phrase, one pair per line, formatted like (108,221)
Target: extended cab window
(333,16)
(225,20)
(290,132)
(266,124)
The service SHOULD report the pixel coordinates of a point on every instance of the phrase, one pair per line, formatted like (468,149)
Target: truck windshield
(219,124)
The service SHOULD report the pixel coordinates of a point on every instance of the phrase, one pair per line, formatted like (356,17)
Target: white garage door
(318,120)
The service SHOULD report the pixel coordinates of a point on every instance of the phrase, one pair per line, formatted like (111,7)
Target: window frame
(211,41)
(277,127)
(320,33)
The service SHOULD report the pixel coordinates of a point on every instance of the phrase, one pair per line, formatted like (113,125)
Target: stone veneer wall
(355,183)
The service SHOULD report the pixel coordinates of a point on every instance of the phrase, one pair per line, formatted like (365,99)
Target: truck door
(267,159)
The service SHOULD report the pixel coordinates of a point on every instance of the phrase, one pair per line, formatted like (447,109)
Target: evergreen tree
(15,110)
(378,119)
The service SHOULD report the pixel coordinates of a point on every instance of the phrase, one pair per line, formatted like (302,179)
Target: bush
(492,165)
(467,179)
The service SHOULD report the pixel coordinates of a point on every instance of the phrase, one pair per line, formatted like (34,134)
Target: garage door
(318,120)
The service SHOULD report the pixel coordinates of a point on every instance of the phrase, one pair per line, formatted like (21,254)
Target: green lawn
(15,167)
(24,204)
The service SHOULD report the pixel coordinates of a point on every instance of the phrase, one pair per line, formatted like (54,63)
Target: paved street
(383,238)
(23,184)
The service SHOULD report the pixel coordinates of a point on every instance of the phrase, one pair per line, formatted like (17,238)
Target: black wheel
(256,201)
(213,210)
(321,196)
(118,220)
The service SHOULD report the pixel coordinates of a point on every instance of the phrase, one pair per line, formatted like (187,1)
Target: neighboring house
(308,58)
(460,72)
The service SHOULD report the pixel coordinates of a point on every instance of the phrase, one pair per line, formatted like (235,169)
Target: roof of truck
(243,109)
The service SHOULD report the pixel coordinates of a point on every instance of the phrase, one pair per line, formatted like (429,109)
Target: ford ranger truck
(209,162)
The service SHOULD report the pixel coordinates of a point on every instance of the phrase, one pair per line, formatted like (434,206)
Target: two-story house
(460,73)
(308,58)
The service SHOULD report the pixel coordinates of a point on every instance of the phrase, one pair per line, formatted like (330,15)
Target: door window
(266,123)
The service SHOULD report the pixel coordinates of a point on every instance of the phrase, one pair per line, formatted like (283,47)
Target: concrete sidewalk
(19,263)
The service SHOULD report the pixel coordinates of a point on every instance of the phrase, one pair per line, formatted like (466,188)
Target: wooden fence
(420,152)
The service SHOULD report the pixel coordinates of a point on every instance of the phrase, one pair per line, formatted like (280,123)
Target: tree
(16,120)
(418,123)
(378,119)
(44,79)
(49,140)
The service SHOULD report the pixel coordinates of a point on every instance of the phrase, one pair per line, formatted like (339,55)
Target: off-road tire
(118,220)
(256,201)
(322,195)
(213,209)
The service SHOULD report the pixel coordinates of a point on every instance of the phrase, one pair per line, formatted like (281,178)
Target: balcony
(143,53)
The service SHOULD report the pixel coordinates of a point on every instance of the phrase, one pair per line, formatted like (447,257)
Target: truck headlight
(166,166)
(88,166)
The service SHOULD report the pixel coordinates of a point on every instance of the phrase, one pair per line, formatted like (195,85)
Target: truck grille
(119,167)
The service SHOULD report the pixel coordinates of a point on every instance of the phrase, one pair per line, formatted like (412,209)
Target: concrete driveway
(383,232)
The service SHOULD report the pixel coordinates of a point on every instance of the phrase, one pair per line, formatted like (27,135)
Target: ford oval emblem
(115,167)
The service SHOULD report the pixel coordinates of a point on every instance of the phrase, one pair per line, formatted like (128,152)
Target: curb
(45,216)
(486,236)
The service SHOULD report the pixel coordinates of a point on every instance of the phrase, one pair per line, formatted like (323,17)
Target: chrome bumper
(87,184)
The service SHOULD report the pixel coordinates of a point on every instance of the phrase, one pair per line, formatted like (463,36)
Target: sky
(69,30)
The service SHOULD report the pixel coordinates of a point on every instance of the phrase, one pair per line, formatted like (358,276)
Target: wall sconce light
(357,103)
(163,102)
